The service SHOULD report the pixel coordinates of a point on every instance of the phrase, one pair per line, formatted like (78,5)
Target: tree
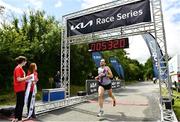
(38,38)
(81,64)
(148,69)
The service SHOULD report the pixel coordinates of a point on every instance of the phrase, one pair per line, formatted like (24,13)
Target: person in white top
(104,75)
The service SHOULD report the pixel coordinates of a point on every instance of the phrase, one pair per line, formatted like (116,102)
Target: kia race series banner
(123,15)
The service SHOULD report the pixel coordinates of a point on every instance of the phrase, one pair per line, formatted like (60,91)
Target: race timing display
(109,45)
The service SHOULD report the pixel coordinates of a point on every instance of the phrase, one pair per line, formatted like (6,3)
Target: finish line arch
(115,20)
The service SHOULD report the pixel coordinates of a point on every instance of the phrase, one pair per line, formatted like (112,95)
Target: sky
(137,50)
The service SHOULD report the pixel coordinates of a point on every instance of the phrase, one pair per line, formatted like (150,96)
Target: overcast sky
(138,49)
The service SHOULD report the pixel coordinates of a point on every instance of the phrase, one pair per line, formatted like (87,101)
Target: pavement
(137,102)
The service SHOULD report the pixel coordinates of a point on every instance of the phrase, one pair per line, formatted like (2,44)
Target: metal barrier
(92,85)
(42,107)
(167,115)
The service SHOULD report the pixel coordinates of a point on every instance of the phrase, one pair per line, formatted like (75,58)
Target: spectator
(31,90)
(19,86)
(57,79)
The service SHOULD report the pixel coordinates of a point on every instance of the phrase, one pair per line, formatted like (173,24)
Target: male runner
(104,75)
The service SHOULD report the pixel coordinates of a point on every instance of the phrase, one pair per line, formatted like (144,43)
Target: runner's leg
(100,96)
(100,100)
(112,96)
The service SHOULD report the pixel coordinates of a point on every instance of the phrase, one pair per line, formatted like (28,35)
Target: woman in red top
(32,70)
(19,86)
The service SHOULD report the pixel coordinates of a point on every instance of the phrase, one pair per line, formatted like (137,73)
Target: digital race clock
(109,45)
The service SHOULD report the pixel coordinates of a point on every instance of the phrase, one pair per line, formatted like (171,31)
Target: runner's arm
(97,78)
(110,75)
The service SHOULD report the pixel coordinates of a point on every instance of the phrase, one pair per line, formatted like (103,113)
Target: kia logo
(82,25)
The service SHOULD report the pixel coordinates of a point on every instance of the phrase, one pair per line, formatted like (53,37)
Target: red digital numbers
(116,44)
(122,43)
(104,46)
(109,45)
(93,46)
(98,46)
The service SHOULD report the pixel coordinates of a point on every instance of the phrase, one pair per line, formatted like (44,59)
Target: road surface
(137,102)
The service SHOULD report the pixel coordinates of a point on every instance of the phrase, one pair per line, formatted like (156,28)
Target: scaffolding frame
(156,26)
(43,107)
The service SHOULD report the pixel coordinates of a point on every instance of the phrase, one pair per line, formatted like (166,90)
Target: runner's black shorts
(106,87)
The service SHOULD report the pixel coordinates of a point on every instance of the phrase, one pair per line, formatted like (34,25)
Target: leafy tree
(81,64)
(35,36)
(148,69)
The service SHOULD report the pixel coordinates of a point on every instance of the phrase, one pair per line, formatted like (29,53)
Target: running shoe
(114,102)
(101,112)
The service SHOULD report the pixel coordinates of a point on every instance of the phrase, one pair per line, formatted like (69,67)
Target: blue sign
(117,66)
(155,52)
(97,56)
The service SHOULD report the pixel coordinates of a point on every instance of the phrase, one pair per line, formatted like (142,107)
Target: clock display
(109,45)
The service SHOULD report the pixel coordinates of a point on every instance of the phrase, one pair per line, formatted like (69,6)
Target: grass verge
(176,106)
(74,89)
(8,98)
